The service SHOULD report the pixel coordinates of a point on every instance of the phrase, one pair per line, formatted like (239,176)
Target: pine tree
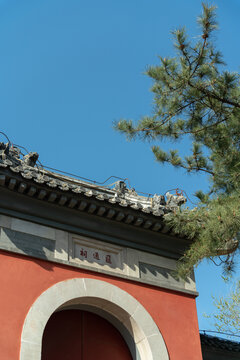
(196,97)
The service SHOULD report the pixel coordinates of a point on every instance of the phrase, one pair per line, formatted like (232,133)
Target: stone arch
(97,294)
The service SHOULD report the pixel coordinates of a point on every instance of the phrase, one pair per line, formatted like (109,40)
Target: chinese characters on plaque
(98,256)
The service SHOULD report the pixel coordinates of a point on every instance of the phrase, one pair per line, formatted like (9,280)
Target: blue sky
(69,68)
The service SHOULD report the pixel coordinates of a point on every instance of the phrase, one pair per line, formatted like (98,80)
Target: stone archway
(98,294)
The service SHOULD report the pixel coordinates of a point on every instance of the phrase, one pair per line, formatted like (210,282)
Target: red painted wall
(23,279)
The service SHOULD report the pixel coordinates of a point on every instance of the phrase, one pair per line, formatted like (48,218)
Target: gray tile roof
(219,343)
(20,172)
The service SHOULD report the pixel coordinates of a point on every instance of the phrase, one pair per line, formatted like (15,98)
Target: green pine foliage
(196,97)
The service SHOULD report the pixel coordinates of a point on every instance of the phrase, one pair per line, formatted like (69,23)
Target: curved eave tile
(66,194)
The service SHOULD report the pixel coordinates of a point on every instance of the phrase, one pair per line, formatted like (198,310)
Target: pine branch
(195,98)
(215,96)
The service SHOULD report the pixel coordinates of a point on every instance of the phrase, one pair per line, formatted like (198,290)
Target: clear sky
(69,68)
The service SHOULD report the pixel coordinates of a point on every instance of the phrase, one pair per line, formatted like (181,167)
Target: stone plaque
(93,252)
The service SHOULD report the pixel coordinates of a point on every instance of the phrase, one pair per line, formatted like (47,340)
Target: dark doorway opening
(82,335)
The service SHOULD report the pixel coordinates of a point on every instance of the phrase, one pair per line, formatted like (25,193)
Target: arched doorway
(131,318)
(82,335)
